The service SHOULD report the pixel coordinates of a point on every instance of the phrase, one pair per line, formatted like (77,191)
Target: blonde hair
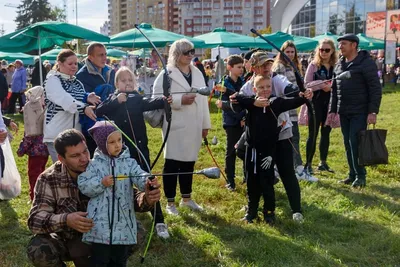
(317,58)
(260,78)
(177,49)
(122,70)
(281,59)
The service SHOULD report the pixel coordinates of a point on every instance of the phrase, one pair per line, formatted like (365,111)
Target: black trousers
(259,184)
(284,163)
(233,135)
(321,112)
(185,180)
(109,256)
(13,100)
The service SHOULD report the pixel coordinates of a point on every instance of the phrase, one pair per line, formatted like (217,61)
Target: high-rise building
(190,17)
(198,17)
(124,14)
(105,29)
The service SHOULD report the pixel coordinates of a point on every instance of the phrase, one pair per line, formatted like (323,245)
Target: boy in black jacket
(262,133)
(232,122)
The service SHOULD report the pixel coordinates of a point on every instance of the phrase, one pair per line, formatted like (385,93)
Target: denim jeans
(351,125)
(296,144)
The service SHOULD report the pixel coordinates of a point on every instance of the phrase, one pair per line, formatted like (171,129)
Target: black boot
(359,182)
(348,180)
(269,217)
(251,214)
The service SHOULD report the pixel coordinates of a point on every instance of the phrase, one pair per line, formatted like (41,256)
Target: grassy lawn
(343,227)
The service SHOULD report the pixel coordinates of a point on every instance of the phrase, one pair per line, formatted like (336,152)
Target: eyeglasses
(190,52)
(326,50)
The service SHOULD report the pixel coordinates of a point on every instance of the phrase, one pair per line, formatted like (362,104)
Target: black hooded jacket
(362,93)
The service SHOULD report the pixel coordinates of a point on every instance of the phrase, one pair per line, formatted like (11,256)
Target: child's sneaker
(248,218)
(298,217)
(171,210)
(162,230)
(190,204)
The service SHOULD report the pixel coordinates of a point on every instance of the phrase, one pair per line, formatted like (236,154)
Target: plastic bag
(10,183)
(372,148)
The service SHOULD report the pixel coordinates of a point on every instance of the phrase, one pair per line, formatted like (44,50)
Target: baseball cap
(259,59)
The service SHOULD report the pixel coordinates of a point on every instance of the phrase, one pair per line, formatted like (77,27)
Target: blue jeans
(351,125)
(296,144)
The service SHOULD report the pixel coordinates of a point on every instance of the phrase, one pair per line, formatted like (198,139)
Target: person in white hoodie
(65,100)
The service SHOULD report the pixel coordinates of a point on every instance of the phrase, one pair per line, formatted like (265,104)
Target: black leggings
(185,180)
(284,163)
(321,112)
(110,256)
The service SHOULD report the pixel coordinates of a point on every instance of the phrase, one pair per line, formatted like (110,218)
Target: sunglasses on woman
(190,52)
(326,50)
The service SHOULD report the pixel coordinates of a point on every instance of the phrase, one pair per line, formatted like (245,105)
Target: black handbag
(372,149)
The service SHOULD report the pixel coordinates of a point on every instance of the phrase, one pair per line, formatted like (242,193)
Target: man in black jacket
(357,101)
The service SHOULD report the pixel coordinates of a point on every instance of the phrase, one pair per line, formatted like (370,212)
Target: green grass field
(343,226)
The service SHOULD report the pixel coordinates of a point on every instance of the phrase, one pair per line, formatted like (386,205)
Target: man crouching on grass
(58,213)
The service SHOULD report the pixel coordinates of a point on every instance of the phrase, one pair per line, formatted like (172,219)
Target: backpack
(34,111)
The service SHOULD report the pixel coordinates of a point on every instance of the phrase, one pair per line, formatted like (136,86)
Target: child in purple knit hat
(108,181)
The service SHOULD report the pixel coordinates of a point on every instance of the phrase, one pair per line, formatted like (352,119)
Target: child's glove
(266,162)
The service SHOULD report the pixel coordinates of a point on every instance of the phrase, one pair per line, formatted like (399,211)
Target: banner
(375,24)
(393,25)
(390,52)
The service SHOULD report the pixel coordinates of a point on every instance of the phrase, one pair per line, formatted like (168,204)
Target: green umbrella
(278,38)
(304,43)
(27,59)
(52,54)
(220,37)
(141,52)
(329,35)
(46,34)
(369,43)
(112,52)
(134,39)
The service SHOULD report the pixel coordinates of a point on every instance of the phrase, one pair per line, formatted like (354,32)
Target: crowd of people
(90,122)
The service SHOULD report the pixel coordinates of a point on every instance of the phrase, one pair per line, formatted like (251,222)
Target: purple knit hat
(100,132)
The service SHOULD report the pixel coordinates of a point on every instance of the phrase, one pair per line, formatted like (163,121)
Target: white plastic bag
(10,183)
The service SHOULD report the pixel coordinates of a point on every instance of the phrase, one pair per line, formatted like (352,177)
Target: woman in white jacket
(65,99)
(189,124)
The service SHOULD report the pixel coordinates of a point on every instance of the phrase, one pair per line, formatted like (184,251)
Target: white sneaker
(298,217)
(162,230)
(171,210)
(190,204)
(309,178)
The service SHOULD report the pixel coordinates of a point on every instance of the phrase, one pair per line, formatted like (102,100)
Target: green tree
(58,14)
(32,11)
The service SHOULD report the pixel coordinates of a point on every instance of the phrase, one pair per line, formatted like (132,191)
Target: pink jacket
(309,78)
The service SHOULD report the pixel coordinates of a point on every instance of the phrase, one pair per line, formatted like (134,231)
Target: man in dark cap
(357,101)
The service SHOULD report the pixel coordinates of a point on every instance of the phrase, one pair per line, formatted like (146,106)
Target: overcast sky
(91,13)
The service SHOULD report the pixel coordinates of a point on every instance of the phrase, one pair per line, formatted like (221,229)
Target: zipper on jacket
(94,213)
(108,213)
(130,217)
(112,200)
(118,210)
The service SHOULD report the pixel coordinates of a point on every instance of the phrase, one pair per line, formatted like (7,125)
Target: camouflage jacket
(57,195)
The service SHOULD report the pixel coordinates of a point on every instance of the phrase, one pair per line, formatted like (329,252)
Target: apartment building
(239,16)
(124,14)
(190,17)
